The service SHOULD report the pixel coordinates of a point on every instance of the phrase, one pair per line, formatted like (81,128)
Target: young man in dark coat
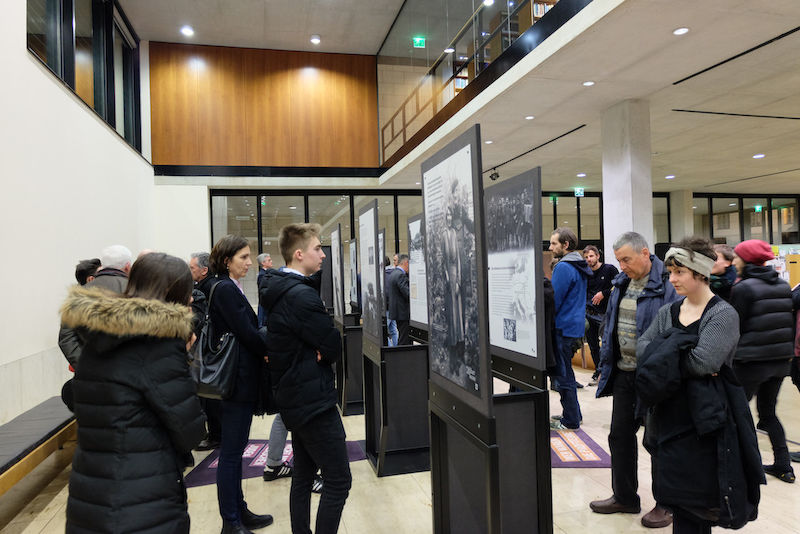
(397,288)
(302,345)
(639,291)
(766,347)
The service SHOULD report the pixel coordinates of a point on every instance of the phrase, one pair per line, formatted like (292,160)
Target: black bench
(28,439)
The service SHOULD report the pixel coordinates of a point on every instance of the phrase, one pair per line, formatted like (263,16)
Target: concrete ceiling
(344,26)
(632,53)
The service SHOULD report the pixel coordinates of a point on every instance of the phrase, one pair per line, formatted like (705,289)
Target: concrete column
(681,214)
(627,185)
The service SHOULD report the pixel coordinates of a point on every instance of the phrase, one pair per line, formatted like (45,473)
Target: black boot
(234,528)
(255,521)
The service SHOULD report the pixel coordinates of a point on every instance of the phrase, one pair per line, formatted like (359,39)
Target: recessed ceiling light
(694,207)
(488,2)
(449,50)
(588,83)
(680,31)
(315,39)
(581,175)
(417,183)
(732,204)
(489,142)
(292,207)
(758,156)
(529,118)
(187,31)
(670,176)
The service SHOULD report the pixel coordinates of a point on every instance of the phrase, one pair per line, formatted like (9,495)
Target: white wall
(71,186)
(182,219)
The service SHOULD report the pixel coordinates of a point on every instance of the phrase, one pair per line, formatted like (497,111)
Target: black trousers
(766,393)
(593,339)
(213,409)
(319,444)
(403,329)
(236,419)
(686,523)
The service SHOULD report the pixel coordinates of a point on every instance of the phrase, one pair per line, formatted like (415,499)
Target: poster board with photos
(370,275)
(381,257)
(338,273)
(326,283)
(455,261)
(417,283)
(514,259)
(353,274)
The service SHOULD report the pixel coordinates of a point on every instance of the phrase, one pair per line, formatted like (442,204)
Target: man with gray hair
(638,292)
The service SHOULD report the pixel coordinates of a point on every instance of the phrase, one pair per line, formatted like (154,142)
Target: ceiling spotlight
(489,142)
(670,176)
(488,2)
(581,175)
(187,31)
(758,156)
(495,175)
(449,50)
(529,118)
(732,204)
(588,83)
(315,39)
(417,183)
(680,31)
(292,207)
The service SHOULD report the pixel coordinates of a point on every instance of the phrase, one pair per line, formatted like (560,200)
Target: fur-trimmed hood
(97,310)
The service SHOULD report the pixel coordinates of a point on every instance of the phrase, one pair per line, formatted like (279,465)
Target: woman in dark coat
(230,311)
(136,405)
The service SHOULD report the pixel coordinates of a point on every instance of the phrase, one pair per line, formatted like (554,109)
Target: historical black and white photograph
(338,283)
(417,283)
(354,283)
(510,234)
(370,285)
(450,252)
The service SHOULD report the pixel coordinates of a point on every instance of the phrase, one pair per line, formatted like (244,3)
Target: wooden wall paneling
(268,120)
(365,142)
(305,79)
(173,104)
(221,106)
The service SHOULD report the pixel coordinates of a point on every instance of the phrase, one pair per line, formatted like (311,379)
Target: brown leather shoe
(613,506)
(658,517)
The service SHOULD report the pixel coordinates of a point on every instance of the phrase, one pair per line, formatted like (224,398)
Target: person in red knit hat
(766,346)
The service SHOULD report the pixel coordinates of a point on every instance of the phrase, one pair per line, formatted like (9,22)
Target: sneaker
(316,486)
(593,382)
(558,425)
(786,476)
(279,471)
(556,417)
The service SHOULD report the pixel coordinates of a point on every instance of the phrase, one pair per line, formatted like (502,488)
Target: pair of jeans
(391,327)
(766,393)
(277,442)
(319,444)
(236,419)
(565,381)
(593,340)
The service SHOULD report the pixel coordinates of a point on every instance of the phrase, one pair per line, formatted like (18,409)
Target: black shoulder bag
(215,359)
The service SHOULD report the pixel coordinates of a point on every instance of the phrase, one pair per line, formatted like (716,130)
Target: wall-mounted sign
(578,191)
(418,42)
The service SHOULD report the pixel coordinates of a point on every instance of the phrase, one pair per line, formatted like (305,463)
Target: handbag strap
(211,294)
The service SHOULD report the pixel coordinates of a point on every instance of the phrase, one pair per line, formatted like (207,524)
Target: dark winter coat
(657,292)
(298,326)
(721,285)
(549,323)
(398,292)
(601,280)
(764,303)
(137,411)
(699,429)
(230,311)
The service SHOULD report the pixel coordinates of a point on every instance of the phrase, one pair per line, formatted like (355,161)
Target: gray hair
(261,257)
(115,257)
(636,241)
(201,257)
(401,257)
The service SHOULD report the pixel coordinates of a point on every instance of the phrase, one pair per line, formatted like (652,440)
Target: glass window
(756,225)
(726,220)
(590,219)
(84,59)
(567,212)
(237,215)
(660,220)
(407,206)
(701,221)
(121,83)
(328,211)
(548,205)
(43,31)
(784,221)
(385,218)
(277,212)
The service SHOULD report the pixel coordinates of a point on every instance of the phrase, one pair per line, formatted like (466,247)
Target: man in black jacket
(397,289)
(302,344)
(598,288)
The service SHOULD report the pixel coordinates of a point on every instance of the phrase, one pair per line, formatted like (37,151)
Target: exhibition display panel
(417,281)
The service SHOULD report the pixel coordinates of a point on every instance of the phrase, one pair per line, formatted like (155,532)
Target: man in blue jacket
(638,292)
(302,344)
(570,276)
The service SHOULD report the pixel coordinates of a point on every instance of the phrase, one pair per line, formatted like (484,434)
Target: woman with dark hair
(698,429)
(136,405)
(764,355)
(230,311)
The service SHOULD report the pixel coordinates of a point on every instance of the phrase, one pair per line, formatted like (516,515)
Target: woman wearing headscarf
(764,355)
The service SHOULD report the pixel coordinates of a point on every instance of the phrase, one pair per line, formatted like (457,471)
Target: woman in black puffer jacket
(766,347)
(136,405)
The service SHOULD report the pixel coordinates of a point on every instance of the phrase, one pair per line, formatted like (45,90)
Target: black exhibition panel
(490,454)
(350,371)
(326,283)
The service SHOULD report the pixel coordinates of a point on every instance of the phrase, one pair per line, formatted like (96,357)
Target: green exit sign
(758,208)
(578,191)
(419,42)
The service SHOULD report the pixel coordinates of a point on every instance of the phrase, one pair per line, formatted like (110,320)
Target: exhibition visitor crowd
(680,343)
